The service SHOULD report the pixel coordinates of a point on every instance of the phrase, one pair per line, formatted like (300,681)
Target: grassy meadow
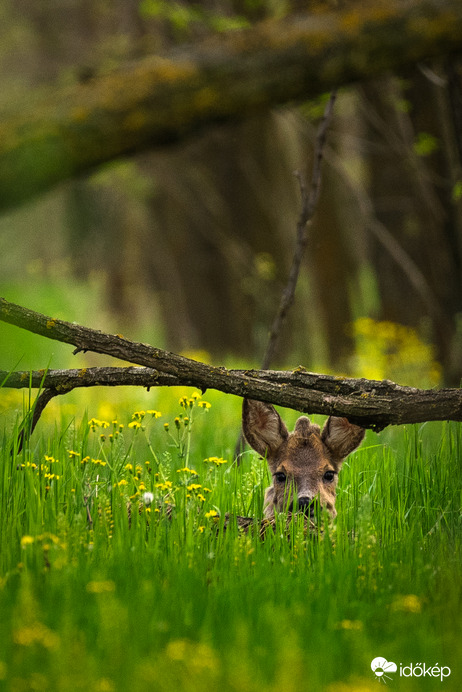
(94,599)
(98,597)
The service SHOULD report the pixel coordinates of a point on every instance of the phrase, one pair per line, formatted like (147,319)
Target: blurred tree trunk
(411,185)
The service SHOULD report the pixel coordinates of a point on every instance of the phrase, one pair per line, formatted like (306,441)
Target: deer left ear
(341,437)
(263,427)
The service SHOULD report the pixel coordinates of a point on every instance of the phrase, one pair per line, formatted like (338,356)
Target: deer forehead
(304,454)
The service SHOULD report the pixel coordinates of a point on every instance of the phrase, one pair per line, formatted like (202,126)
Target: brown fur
(305,463)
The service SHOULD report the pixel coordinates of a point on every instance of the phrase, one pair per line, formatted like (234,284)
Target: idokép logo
(382,669)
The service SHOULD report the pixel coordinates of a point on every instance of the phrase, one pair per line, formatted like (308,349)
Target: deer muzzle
(306,505)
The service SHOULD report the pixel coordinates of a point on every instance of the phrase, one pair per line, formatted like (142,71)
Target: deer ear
(263,427)
(341,437)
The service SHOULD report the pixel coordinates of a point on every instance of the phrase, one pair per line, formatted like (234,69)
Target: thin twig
(309,200)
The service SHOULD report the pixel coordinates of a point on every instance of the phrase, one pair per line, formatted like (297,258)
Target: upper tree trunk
(156,100)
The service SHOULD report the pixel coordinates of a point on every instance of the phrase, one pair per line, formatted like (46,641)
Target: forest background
(114,571)
(188,246)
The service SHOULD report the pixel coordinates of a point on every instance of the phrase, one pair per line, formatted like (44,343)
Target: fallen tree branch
(153,101)
(372,404)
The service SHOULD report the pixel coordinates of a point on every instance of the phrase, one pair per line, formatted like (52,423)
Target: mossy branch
(157,100)
(372,404)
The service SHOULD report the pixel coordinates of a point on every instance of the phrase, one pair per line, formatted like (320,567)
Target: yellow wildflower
(216,460)
(27,540)
(409,603)
(164,486)
(154,414)
(100,586)
(350,625)
(36,633)
(98,462)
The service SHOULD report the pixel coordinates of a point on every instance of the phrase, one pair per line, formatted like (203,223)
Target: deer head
(305,463)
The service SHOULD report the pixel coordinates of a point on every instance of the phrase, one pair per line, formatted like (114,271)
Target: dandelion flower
(211,514)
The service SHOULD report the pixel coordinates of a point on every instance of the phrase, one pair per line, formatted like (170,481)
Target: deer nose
(305,505)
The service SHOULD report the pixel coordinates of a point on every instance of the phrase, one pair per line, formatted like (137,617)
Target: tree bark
(154,101)
(372,404)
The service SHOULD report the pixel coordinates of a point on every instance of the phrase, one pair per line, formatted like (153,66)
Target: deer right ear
(341,436)
(263,427)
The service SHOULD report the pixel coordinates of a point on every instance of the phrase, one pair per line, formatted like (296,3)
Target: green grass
(91,601)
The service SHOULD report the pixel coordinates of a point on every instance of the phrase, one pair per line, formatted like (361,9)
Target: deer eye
(280,476)
(329,476)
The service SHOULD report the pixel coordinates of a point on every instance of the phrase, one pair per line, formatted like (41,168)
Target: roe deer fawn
(305,463)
